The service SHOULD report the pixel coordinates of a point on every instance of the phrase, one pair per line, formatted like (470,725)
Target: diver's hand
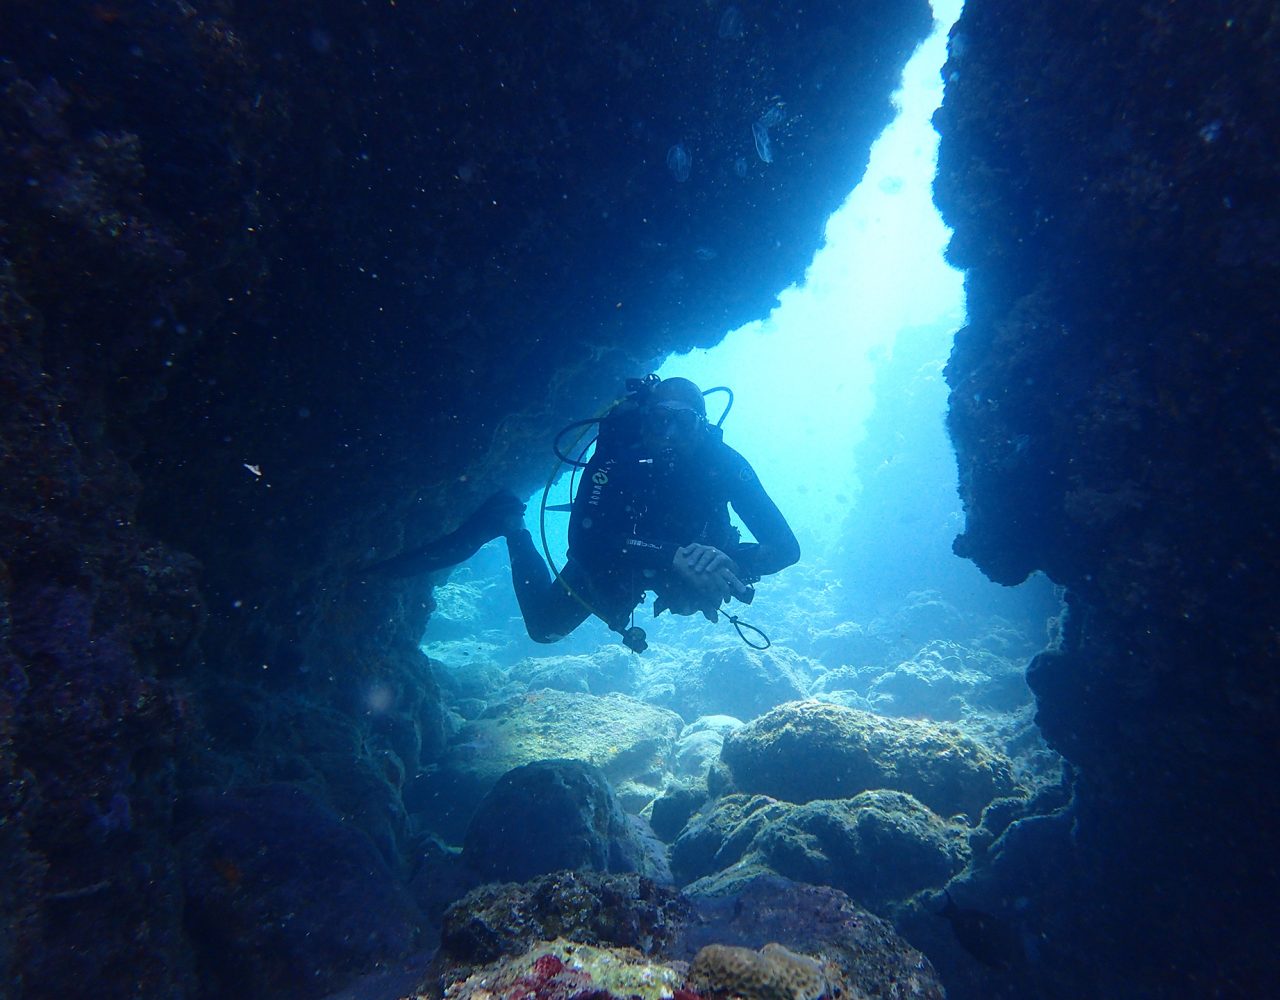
(707,559)
(711,573)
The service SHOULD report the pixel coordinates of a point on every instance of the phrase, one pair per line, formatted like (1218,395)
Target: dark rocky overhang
(285,288)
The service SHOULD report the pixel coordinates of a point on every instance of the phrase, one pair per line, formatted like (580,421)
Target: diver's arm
(776,547)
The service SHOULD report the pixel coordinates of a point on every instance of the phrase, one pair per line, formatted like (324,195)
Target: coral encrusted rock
(576,936)
(879,847)
(557,814)
(589,907)
(772,973)
(858,950)
(567,970)
(808,750)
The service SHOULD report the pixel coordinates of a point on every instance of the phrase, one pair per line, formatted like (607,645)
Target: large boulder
(737,681)
(630,741)
(810,750)
(720,835)
(879,847)
(557,814)
(698,748)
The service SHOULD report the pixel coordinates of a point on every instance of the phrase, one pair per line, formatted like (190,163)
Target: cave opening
(283,300)
(839,403)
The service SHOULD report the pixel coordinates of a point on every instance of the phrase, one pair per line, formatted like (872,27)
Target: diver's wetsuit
(633,510)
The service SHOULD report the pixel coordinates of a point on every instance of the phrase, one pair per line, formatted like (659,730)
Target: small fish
(992,940)
(255,469)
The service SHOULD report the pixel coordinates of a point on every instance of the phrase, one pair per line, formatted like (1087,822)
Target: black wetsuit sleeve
(777,547)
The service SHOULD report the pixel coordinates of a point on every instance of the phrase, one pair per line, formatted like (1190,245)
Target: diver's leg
(550,611)
(489,521)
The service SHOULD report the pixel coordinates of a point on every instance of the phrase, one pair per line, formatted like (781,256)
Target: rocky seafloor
(864,757)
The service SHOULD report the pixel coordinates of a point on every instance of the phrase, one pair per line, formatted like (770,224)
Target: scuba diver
(651,514)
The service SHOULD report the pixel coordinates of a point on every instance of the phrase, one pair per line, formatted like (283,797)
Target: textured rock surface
(878,847)
(565,970)
(810,750)
(873,961)
(285,291)
(557,814)
(738,682)
(631,936)
(623,910)
(280,891)
(944,680)
(719,836)
(770,973)
(630,741)
(1110,171)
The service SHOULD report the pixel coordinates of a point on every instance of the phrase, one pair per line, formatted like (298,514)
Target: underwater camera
(634,639)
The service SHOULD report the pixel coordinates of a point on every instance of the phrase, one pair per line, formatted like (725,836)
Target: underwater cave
(983,698)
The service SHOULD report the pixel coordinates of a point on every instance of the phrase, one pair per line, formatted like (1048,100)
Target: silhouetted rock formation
(1110,171)
(287,290)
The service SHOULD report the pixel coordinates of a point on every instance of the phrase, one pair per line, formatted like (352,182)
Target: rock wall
(1110,171)
(283,290)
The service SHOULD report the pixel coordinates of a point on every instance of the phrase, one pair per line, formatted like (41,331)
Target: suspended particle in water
(679,162)
(730,24)
(760,132)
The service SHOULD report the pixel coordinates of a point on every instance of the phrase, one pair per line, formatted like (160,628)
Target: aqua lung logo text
(599,480)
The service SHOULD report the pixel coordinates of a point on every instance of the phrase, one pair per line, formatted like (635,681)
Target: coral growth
(772,973)
(567,970)
(625,910)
